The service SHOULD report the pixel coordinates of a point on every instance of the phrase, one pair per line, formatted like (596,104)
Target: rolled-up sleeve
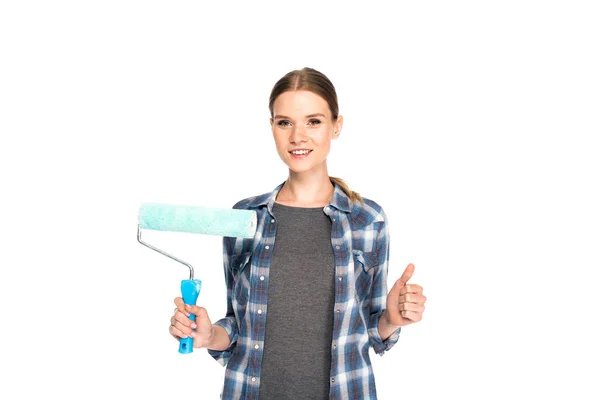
(229,322)
(379,292)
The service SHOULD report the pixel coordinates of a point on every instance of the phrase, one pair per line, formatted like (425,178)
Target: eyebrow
(308,116)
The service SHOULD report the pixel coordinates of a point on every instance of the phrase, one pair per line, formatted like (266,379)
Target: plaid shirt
(360,242)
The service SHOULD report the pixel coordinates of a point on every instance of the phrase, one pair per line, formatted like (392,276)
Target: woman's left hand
(405,302)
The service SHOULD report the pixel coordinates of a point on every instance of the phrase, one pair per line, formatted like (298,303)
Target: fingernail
(193,326)
(187,314)
(193,334)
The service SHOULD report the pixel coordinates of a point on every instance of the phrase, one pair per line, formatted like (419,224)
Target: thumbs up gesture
(405,302)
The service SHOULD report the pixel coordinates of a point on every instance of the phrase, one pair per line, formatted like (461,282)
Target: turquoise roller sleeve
(192,219)
(190,289)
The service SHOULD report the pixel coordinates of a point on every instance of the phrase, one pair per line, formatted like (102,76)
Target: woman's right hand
(182,326)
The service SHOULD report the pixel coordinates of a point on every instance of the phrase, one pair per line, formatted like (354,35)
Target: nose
(298,135)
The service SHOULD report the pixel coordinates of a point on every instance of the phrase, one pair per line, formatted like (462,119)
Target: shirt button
(337,247)
(253,379)
(262,278)
(267,247)
(333,219)
(332,380)
(335,346)
(339,278)
(272,221)
(256,346)
(259,311)
(338,310)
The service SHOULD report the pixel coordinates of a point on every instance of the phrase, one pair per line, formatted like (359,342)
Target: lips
(300,153)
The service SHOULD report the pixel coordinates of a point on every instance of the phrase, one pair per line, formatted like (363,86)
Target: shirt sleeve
(379,291)
(229,322)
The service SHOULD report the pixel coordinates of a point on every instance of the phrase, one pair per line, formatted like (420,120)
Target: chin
(303,168)
(299,170)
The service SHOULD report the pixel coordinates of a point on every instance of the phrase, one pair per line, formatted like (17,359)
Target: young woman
(307,296)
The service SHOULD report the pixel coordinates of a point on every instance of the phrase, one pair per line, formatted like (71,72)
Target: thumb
(194,309)
(407,274)
(401,282)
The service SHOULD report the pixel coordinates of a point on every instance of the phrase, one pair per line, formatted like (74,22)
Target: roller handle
(190,289)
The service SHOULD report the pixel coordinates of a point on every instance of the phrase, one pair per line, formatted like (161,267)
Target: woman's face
(303,129)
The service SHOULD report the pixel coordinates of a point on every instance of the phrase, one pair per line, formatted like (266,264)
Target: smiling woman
(312,96)
(307,296)
(303,127)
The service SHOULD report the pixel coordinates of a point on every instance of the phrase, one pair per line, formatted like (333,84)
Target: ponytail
(354,196)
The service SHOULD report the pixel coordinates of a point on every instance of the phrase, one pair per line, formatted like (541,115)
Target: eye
(283,122)
(314,122)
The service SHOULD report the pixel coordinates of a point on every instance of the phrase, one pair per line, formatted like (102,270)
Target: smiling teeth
(299,152)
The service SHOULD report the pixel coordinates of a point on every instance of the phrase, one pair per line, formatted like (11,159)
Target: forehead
(300,103)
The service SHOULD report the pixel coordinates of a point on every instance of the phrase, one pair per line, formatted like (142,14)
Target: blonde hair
(306,79)
(354,196)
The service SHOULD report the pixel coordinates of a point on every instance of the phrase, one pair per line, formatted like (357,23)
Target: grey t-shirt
(299,321)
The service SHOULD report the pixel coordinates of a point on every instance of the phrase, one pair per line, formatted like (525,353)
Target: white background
(474,124)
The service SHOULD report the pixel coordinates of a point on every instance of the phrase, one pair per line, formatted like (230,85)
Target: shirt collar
(339,200)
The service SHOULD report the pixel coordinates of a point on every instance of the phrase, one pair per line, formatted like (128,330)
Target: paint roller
(227,222)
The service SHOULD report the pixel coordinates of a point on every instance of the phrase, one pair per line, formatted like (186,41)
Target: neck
(308,189)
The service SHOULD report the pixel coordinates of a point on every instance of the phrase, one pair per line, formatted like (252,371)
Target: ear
(337,126)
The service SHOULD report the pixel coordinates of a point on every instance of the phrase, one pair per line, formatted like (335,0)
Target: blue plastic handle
(190,289)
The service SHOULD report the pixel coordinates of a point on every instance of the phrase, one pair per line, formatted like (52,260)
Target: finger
(179,302)
(174,331)
(181,305)
(176,310)
(412,315)
(407,274)
(184,320)
(177,333)
(182,327)
(416,298)
(416,307)
(184,311)
(411,288)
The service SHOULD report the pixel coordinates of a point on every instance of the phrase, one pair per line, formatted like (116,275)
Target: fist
(405,302)
(182,326)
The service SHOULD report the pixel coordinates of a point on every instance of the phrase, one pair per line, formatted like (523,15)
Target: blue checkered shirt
(360,242)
